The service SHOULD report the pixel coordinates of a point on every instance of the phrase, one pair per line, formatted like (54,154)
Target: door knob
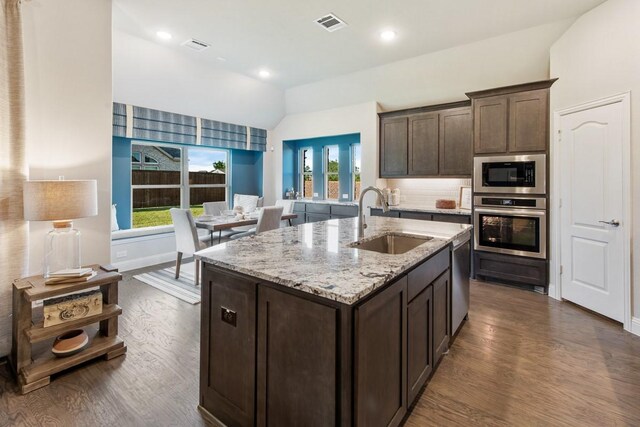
(613,222)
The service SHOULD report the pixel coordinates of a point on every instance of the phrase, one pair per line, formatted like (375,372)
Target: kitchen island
(299,327)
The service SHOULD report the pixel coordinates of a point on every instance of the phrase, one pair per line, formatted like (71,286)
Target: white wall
(597,57)
(362,118)
(151,75)
(438,77)
(67,47)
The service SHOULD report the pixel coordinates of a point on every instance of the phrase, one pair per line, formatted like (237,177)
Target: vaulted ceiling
(282,37)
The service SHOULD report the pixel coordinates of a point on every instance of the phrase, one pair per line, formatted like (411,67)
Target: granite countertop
(414,207)
(315,258)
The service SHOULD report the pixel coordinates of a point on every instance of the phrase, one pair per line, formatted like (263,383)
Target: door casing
(555,289)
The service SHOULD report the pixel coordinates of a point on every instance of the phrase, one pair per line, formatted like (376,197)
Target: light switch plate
(315,194)
(345,196)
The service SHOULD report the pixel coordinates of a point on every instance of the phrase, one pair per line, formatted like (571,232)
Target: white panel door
(592,240)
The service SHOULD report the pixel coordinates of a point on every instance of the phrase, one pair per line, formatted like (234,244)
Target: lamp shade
(60,200)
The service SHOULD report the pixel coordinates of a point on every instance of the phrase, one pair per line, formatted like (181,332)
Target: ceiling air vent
(196,45)
(331,22)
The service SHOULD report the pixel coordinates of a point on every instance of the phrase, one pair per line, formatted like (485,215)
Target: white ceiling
(280,35)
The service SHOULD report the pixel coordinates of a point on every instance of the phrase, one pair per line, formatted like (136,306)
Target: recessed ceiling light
(264,74)
(163,35)
(388,35)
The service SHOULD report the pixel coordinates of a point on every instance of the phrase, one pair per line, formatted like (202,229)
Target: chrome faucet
(361,224)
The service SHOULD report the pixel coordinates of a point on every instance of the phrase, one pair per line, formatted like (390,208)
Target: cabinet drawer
(346,211)
(299,207)
(318,208)
(427,272)
(312,217)
(423,216)
(390,214)
(456,219)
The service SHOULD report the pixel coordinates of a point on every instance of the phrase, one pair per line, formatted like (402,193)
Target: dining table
(226,222)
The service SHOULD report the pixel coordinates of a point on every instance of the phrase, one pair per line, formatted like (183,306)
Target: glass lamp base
(62,248)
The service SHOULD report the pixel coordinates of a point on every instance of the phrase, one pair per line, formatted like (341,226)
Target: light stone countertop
(414,207)
(315,258)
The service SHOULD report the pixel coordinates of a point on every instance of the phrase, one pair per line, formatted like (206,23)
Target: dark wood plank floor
(521,359)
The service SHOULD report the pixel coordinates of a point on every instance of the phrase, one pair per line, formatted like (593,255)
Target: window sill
(140,232)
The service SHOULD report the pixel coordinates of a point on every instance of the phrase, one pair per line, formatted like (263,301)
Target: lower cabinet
(315,217)
(441,315)
(424,216)
(295,335)
(390,214)
(380,358)
(419,342)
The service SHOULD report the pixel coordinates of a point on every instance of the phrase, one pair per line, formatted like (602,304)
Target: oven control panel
(512,202)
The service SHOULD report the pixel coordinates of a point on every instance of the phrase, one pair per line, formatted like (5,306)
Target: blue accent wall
(246,176)
(121,180)
(246,172)
(290,162)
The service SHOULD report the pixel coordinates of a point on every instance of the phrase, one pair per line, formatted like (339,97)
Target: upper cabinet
(393,146)
(427,142)
(513,119)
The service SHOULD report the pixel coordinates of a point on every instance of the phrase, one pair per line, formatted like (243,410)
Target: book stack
(70,275)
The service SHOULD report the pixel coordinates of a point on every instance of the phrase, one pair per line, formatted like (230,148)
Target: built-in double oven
(511,225)
(510,211)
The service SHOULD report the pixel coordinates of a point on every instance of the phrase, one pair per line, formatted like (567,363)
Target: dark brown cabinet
(419,341)
(227,380)
(513,119)
(288,392)
(423,144)
(455,150)
(393,146)
(441,315)
(380,355)
(427,142)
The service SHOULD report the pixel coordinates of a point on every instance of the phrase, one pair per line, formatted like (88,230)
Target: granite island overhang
(300,328)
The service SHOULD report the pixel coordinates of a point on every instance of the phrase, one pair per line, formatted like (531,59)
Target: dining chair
(287,208)
(269,219)
(188,241)
(248,202)
(215,208)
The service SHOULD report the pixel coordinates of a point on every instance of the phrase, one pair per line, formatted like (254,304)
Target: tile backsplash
(425,191)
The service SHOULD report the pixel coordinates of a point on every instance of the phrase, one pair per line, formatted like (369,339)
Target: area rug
(182,288)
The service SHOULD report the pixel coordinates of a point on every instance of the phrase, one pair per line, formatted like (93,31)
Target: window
(207,177)
(306,166)
(355,170)
(332,176)
(165,176)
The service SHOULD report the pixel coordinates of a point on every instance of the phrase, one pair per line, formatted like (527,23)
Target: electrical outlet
(315,194)
(345,196)
(121,254)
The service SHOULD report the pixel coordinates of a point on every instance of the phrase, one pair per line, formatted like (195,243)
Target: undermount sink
(391,243)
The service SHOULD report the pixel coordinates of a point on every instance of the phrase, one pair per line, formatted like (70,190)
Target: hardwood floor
(521,359)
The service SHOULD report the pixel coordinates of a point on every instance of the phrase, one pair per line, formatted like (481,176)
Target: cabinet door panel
(393,146)
(490,124)
(297,361)
(380,358)
(423,216)
(441,309)
(228,365)
(423,145)
(528,121)
(419,342)
(456,146)
(456,219)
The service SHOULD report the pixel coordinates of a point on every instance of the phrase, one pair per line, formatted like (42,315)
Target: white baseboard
(635,325)
(552,292)
(145,261)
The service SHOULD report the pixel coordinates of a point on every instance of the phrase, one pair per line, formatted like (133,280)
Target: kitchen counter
(415,207)
(315,258)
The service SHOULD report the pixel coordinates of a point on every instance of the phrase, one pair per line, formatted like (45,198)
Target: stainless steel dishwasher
(460,280)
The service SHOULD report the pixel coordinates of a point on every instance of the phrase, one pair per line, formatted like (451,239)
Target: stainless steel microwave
(524,174)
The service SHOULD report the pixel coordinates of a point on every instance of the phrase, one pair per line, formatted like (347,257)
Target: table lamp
(60,201)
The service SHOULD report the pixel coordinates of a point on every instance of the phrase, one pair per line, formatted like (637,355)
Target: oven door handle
(513,212)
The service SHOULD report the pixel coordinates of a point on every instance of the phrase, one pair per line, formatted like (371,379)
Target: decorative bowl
(70,343)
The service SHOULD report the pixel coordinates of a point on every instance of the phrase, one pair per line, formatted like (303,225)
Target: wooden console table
(33,369)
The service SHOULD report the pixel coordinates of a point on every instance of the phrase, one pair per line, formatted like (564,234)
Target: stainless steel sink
(391,243)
